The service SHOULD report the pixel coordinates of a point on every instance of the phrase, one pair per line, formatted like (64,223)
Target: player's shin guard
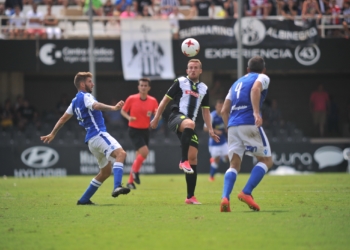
(191,181)
(185,143)
(90,191)
(229,182)
(256,176)
(118,173)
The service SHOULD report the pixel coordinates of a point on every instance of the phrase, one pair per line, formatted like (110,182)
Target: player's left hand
(119,105)
(258,120)
(154,123)
(215,137)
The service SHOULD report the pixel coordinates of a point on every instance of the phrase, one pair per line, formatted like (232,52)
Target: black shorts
(174,122)
(139,137)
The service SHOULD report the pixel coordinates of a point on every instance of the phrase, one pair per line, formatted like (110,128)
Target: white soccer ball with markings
(190,47)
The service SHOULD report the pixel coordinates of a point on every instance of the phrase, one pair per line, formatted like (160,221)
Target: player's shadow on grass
(267,211)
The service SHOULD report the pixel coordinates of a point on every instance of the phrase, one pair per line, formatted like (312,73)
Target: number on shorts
(238,89)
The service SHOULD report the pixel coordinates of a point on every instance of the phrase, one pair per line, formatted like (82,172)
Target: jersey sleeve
(265,81)
(70,110)
(174,89)
(229,95)
(89,101)
(127,104)
(205,101)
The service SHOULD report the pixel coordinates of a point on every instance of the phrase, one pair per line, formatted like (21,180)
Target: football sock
(118,174)
(90,191)
(256,176)
(229,182)
(185,143)
(191,181)
(137,163)
(213,168)
(131,177)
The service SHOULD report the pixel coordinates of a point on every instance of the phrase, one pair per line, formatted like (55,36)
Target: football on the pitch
(190,47)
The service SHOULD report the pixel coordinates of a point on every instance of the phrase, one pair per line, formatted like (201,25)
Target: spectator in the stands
(216,92)
(246,8)
(35,23)
(11,4)
(319,105)
(17,24)
(203,8)
(97,9)
(167,6)
(290,10)
(346,20)
(229,9)
(311,10)
(3,21)
(51,23)
(145,11)
(260,8)
(174,21)
(108,8)
(7,115)
(138,7)
(128,13)
(27,114)
(120,5)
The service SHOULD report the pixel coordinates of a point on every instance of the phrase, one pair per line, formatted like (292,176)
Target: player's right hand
(47,138)
(132,118)
(258,120)
(119,105)
(154,123)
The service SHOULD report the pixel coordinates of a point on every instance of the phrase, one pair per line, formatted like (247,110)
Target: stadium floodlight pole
(239,41)
(91,50)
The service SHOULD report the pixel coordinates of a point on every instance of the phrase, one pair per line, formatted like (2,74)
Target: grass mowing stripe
(297,212)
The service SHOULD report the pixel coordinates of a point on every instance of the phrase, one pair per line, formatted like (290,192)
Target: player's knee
(189,124)
(121,155)
(267,161)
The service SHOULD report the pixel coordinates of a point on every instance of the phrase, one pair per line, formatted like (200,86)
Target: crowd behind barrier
(56,19)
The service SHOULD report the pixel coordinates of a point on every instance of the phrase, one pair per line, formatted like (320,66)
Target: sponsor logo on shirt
(239,107)
(192,93)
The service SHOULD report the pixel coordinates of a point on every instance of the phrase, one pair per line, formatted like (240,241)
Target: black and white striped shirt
(188,96)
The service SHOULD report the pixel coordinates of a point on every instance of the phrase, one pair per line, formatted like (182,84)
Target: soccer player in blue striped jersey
(103,146)
(241,114)
(218,150)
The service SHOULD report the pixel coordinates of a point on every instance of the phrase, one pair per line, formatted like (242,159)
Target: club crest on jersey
(192,93)
(149,113)
(194,87)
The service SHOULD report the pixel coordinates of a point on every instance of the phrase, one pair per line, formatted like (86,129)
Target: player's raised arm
(104,107)
(160,110)
(48,138)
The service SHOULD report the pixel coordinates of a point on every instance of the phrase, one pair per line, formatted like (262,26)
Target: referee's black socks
(185,143)
(191,180)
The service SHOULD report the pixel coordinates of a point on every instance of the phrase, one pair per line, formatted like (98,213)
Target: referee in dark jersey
(188,94)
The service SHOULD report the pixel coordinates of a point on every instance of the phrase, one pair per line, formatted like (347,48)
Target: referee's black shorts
(139,137)
(174,122)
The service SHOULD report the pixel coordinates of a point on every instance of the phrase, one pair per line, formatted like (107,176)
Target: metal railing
(66,23)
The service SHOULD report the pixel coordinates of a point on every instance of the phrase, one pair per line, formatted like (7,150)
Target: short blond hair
(81,77)
(196,61)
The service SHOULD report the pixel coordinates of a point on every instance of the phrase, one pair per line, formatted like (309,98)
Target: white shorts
(101,146)
(248,139)
(219,150)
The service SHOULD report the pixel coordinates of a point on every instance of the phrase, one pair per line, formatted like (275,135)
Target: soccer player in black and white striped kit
(188,94)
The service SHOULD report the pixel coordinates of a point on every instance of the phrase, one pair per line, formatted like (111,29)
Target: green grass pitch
(297,212)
